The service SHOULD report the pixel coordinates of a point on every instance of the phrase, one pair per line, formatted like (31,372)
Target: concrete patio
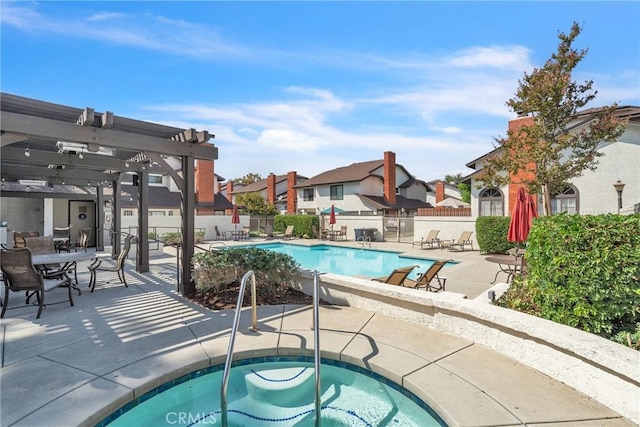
(76,365)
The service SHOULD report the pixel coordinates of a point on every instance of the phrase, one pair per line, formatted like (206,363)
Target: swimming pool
(349,261)
(279,391)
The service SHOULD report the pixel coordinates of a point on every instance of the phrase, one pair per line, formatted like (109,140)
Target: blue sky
(309,86)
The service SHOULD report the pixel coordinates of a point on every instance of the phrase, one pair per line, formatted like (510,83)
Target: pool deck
(75,365)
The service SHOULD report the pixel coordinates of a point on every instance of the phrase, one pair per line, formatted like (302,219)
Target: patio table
(509,264)
(68,260)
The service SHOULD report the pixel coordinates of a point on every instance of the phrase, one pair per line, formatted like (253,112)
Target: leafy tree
(465,192)
(454,179)
(255,204)
(249,178)
(547,154)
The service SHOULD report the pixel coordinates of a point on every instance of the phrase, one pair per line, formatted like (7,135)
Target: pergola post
(186,286)
(142,254)
(99,218)
(116,222)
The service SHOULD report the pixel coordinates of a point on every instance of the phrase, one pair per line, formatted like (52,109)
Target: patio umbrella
(523,213)
(235,217)
(332,216)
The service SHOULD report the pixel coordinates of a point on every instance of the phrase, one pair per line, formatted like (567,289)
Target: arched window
(565,201)
(491,202)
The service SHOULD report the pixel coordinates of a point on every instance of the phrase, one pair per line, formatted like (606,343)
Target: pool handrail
(316,344)
(234,329)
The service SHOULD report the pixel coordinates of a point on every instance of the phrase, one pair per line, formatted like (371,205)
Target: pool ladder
(254,327)
(364,240)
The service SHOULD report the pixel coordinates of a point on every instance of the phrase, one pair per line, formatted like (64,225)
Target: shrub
(491,232)
(302,224)
(175,238)
(584,271)
(216,270)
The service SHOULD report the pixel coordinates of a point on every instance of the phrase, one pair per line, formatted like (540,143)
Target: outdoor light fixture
(27,152)
(619,186)
(76,147)
(126,164)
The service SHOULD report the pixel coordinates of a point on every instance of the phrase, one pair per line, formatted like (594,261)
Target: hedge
(584,271)
(491,232)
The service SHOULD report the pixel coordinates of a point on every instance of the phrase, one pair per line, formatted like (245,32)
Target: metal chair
(21,275)
(62,238)
(117,268)
(83,239)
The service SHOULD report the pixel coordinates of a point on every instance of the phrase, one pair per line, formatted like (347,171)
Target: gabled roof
(401,202)
(630,112)
(261,185)
(352,173)
(413,181)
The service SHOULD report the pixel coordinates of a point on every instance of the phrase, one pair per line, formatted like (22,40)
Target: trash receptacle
(359,232)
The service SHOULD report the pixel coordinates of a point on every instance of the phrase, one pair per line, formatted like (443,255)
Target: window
(565,201)
(491,202)
(157,213)
(127,212)
(170,213)
(307,194)
(155,179)
(336,192)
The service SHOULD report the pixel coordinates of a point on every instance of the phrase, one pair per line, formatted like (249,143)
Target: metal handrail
(236,319)
(218,242)
(316,344)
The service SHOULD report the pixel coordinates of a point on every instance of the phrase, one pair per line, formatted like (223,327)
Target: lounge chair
(117,268)
(425,279)
(430,240)
(288,233)
(268,232)
(464,240)
(20,275)
(317,234)
(397,276)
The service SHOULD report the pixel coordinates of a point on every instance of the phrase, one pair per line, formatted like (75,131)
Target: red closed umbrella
(523,213)
(235,217)
(332,216)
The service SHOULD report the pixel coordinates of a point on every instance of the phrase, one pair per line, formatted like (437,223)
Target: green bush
(302,224)
(216,270)
(491,233)
(584,271)
(175,238)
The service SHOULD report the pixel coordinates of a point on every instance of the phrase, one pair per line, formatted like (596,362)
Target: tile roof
(351,173)
(401,202)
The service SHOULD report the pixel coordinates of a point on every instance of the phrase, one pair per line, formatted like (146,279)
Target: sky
(310,86)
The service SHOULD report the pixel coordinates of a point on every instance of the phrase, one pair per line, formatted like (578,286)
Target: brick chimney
(390,177)
(271,189)
(205,181)
(230,191)
(440,191)
(515,179)
(292,200)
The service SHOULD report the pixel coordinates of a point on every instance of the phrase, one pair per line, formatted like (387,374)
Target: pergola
(67,146)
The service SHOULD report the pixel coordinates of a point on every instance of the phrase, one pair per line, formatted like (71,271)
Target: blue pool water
(349,261)
(279,393)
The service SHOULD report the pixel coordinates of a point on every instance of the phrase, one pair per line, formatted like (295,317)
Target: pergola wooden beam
(65,131)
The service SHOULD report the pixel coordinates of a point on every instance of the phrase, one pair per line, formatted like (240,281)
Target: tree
(255,204)
(548,153)
(249,178)
(453,179)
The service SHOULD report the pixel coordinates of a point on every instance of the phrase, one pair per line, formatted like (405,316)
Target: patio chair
(19,236)
(83,239)
(343,232)
(20,275)
(464,240)
(219,235)
(288,233)
(430,240)
(118,267)
(62,238)
(397,276)
(425,279)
